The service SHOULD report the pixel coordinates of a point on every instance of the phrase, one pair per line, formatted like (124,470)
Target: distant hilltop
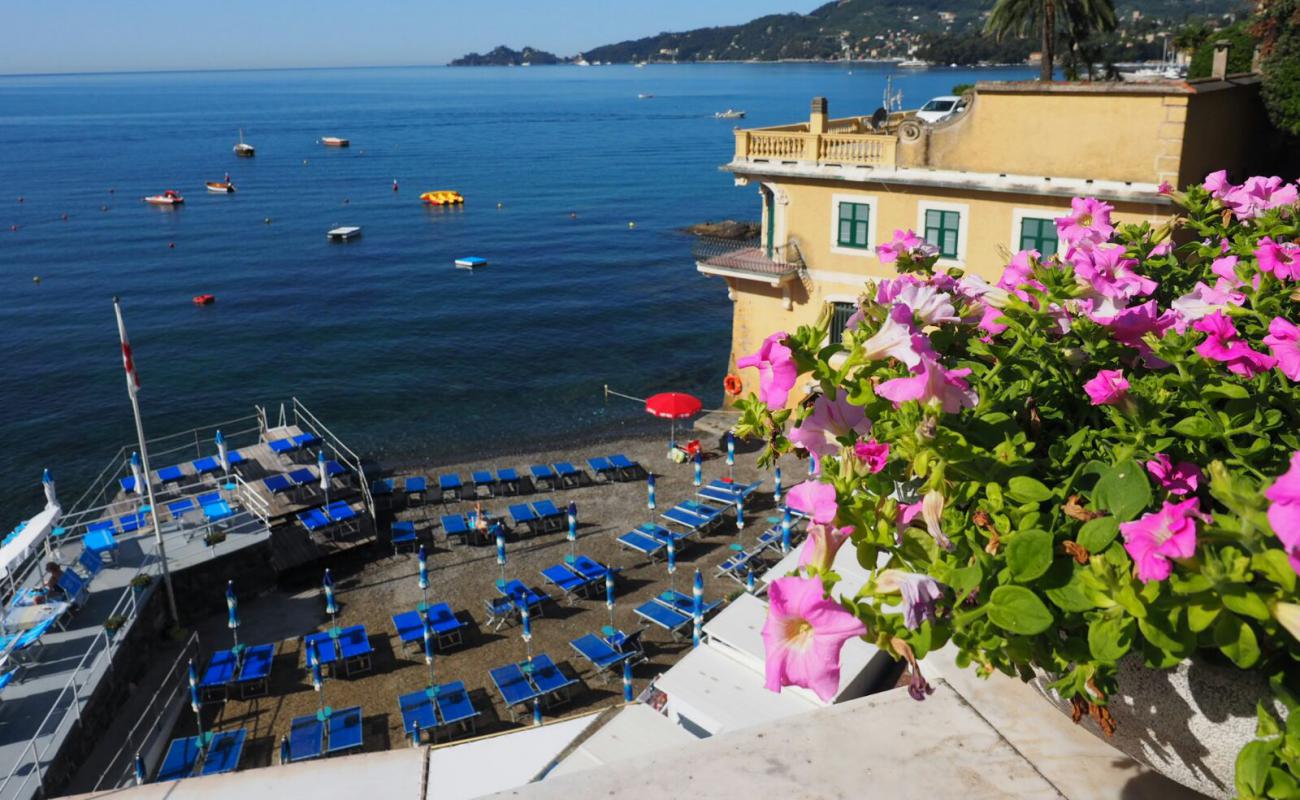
(505,57)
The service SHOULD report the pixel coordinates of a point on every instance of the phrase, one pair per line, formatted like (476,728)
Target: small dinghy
(334,141)
(344,233)
(244,149)
(204,299)
(168,198)
(220,187)
(471,262)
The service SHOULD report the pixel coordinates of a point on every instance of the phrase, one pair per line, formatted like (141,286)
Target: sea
(576,190)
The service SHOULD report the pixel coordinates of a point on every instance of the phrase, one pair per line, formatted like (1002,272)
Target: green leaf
(1016,609)
(1253,763)
(1236,640)
(1123,490)
(1225,391)
(1202,611)
(965,579)
(1194,427)
(1097,533)
(1273,564)
(1243,601)
(1029,554)
(1109,638)
(1024,489)
(1071,596)
(1267,726)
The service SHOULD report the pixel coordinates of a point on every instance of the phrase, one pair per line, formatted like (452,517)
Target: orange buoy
(204,299)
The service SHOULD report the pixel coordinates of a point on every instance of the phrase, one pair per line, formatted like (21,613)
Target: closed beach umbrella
(137,472)
(573,528)
(525,620)
(731,449)
(331,607)
(501,553)
(650,491)
(232,611)
(697,607)
(672,562)
(51,499)
(324,475)
(223,455)
(740,513)
(749,580)
(627,681)
(537,711)
(699,468)
(423,559)
(776,489)
(428,646)
(785,530)
(609,594)
(195,703)
(673,406)
(284,749)
(317,678)
(139,770)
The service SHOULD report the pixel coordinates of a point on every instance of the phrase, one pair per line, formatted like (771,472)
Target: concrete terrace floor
(372,584)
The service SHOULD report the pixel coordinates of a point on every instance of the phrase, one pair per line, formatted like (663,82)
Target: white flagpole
(132,384)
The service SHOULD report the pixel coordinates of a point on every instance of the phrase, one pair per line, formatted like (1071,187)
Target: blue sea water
(403,355)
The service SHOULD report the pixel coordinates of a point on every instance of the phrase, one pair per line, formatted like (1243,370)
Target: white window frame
(1019,215)
(872,202)
(963,228)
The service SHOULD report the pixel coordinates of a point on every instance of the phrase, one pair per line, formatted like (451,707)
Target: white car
(941,108)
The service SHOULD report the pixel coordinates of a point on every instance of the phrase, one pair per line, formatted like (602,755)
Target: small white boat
(334,141)
(640,65)
(243,149)
(168,198)
(644,96)
(344,233)
(913,63)
(730,113)
(471,262)
(220,187)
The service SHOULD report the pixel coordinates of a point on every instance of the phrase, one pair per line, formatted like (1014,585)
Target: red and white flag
(128,363)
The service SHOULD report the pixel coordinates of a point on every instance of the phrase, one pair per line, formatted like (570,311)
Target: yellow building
(980,185)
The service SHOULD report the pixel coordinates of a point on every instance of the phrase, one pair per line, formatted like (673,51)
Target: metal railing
(747,255)
(345,454)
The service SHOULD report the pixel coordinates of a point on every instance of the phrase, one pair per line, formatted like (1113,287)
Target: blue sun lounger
(566,580)
(282,446)
(334,469)
(455,525)
(90,561)
(305,439)
(447,627)
(514,687)
(128,484)
(598,652)
(205,465)
(215,507)
(664,536)
(553,684)
(523,516)
(551,516)
(224,751)
(711,514)
(180,508)
(403,535)
(417,713)
(326,650)
(133,522)
(313,519)
(589,569)
(303,476)
(416,485)
(517,592)
(647,546)
(101,542)
(604,470)
(450,486)
(277,484)
(382,487)
(340,511)
(685,603)
(737,565)
(355,649)
(626,467)
(171,474)
(255,671)
(509,481)
(542,474)
(218,675)
(658,614)
(570,477)
(455,707)
(484,483)
(727,493)
(181,759)
(344,730)
(306,738)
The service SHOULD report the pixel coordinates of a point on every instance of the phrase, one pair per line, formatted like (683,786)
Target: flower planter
(1187,723)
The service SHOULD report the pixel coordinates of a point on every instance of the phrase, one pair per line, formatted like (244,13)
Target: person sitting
(50,587)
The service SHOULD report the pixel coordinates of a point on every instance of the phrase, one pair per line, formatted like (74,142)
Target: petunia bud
(1075,356)
(1288,616)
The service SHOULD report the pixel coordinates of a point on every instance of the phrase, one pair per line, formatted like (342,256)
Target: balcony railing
(847,141)
(746,258)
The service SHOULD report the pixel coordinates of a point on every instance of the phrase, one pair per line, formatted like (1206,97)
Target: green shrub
(1241,51)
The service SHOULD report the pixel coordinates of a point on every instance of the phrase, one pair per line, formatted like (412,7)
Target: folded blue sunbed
(355,649)
(542,474)
(306,738)
(601,466)
(403,535)
(218,674)
(235,457)
(132,522)
(313,519)
(224,750)
(170,474)
(483,480)
(217,510)
(303,476)
(277,484)
(455,525)
(565,579)
(205,465)
(664,536)
(598,651)
(326,651)
(509,480)
(625,466)
(522,515)
(684,603)
(738,564)
(180,508)
(282,446)
(99,525)
(590,570)
(569,475)
(181,759)
(446,625)
(518,592)
(255,671)
(128,484)
(339,511)
(454,705)
(382,487)
(345,730)
(641,543)
(449,484)
(333,469)
(416,485)
(417,712)
(306,439)
(553,684)
(547,510)
(514,687)
(663,616)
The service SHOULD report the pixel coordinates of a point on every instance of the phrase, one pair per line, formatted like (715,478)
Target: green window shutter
(943,229)
(1039,234)
(854,226)
(840,313)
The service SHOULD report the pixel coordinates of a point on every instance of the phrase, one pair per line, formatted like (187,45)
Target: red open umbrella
(673,406)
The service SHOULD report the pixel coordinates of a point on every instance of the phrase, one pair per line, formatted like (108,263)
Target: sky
(42,36)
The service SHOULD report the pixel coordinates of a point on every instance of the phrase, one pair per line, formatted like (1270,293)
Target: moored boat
(730,113)
(243,149)
(168,198)
(220,187)
(344,233)
(334,141)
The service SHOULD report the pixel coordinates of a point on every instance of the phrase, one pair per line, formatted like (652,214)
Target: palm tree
(1077,18)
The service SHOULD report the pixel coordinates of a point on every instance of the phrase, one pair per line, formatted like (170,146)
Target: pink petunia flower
(803,637)
(1108,388)
(1110,277)
(1223,343)
(1165,188)
(874,454)
(1258,195)
(920,594)
(776,370)
(932,383)
(897,339)
(814,498)
(928,304)
(1203,301)
(830,420)
(1283,342)
(1131,324)
(888,289)
(1217,183)
(905,243)
(1282,260)
(1284,511)
(823,542)
(1180,479)
(1088,223)
(1159,536)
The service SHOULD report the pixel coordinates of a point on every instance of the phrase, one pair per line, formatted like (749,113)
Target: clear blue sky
(116,35)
